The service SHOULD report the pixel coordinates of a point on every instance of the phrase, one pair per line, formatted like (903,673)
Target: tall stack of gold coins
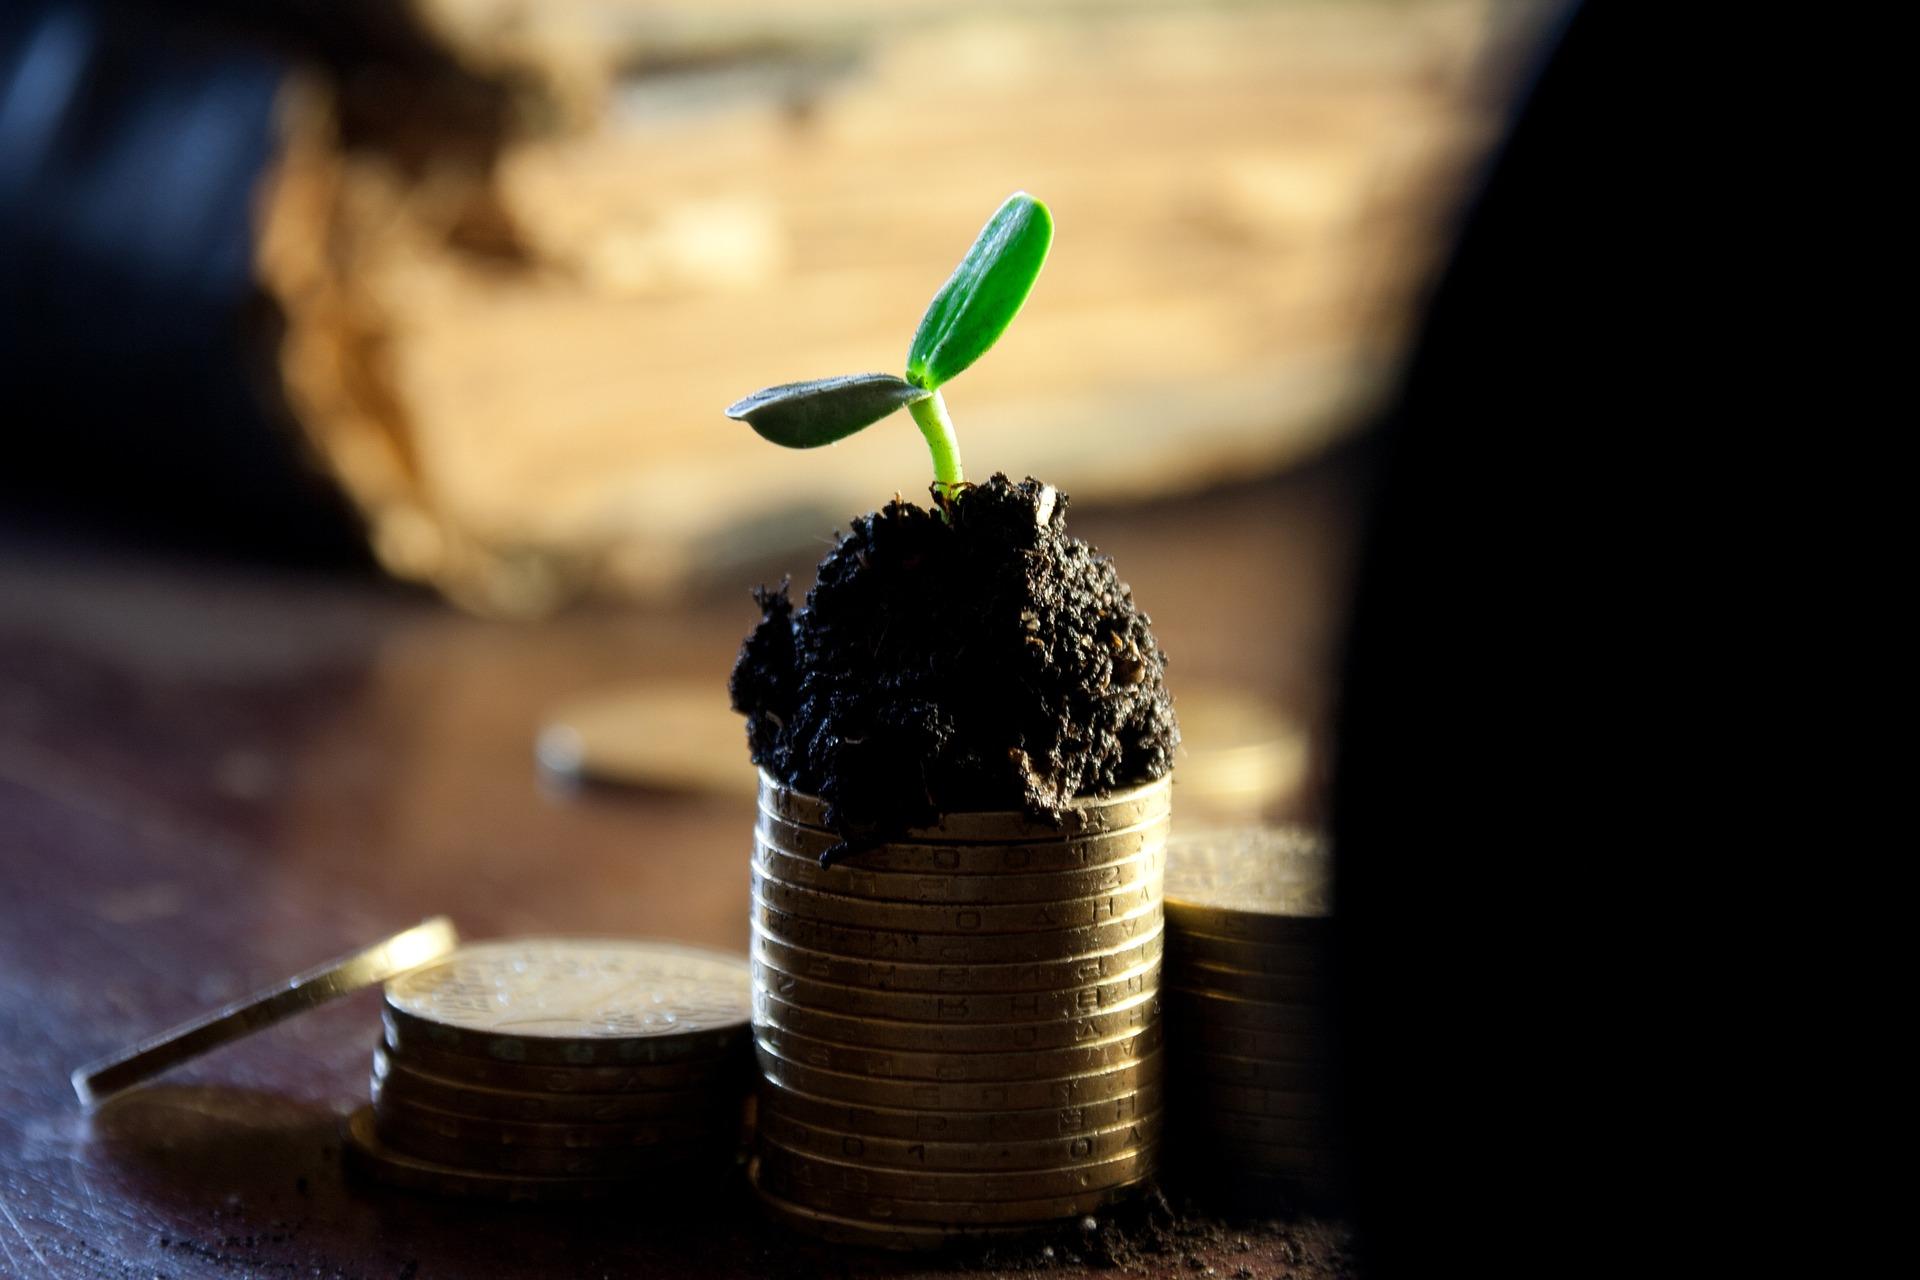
(1249,913)
(558,1069)
(958,1033)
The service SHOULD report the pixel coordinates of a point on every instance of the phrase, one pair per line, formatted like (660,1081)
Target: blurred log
(513,348)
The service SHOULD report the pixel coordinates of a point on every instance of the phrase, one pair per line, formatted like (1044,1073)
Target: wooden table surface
(212,777)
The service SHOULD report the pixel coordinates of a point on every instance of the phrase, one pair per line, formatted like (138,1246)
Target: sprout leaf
(985,292)
(805,415)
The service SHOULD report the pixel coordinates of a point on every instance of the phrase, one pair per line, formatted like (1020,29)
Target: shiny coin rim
(1024,1156)
(1222,1010)
(906,977)
(423,944)
(1234,889)
(1249,926)
(1302,958)
(520,1077)
(965,920)
(1087,815)
(982,1068)
(856,880)
(1135,1013)
(488,1103)
(1056,855)
(970,1096)
(929,948)
(409,1013)
(898,1236)
(902,1124)
(966,1008)
(1214,979)
(946,1188)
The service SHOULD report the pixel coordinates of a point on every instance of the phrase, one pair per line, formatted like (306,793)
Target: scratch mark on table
(25,1239)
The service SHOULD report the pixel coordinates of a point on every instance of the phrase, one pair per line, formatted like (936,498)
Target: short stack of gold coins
(958,1033)
(558,1069)
(1249,915)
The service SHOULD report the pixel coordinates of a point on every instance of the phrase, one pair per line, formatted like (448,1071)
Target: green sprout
(964,320)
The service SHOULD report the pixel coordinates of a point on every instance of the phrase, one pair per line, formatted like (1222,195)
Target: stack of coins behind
(1248,921)
(557,1069)
(957,1033)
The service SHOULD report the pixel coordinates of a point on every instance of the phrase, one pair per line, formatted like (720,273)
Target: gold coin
(664,736)
(1062,1091)
(1136,1014)
(950,948)
(705,1123)
(915,1125)
(873,1235)
(1213,979)
(1031,1064)
(798,1168)
(416,946)
(892,1153)
(922,917)
(1249,882)
(726,1072)
(857,880)
(402,1083)
(370,1158)
(1261,1073)
(1019,976)
(1298,959)
(1201,1093)
(1054,855)
(552,1162)
(917,1213)
(1254,1015)
(963,1007)
(1089,815)
(574,1002)
(1288,1047)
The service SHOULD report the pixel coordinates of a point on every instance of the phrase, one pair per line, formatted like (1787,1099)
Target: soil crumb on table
(981,660)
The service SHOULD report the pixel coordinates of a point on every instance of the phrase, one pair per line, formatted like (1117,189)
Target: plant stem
(930,415)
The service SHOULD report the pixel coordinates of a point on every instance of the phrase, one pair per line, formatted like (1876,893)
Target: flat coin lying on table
(664,736)
(575,1002)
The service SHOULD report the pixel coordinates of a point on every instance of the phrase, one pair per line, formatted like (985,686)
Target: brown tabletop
(211,778)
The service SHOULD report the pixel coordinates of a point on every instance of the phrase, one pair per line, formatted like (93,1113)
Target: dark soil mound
(990,662)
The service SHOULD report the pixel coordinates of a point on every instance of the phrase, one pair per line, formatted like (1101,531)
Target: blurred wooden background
(510,332)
